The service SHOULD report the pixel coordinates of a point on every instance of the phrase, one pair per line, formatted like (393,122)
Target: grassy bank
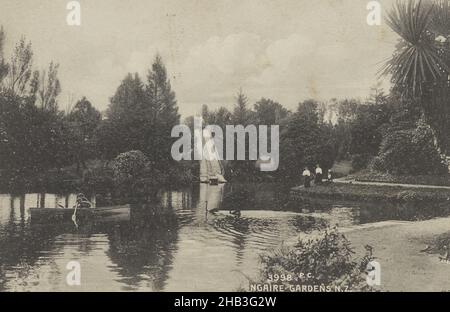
(341,191)
(371,176)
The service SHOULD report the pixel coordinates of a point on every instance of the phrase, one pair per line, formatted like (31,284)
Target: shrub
(360,161)
(412,151)
(328,258)
(408,196)
(376,164)
(129,165)
(129,169)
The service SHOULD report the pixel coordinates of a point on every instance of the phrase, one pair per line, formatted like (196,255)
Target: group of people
(317,176)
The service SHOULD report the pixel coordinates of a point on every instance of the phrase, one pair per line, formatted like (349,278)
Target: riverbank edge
(373,193)
(399,248)
(366,175)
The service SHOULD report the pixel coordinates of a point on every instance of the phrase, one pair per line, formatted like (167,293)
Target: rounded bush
(412,151)
(128,169)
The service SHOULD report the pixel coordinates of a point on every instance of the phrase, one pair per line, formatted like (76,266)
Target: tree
(420,66)
(46,87)
(107,140)
(305,141)
(141,117)
(20,68)
(162,105)
(421,58)
(3,64)
(343,114)
(86,116)
(82,122)
(220,117)
(32,140)
(206,115)
(269,112)
(128,98)
(241,113)
(128,119)
(367,129)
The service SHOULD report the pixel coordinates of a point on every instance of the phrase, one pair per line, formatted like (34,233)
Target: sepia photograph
(253,147)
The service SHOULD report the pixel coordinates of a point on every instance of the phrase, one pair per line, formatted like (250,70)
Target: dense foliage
(37,138)
(328,258)
(420,65)
(410,151)
(305,141)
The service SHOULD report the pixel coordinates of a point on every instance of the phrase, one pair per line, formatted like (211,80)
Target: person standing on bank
(306,177)
(330,176)
(318,178)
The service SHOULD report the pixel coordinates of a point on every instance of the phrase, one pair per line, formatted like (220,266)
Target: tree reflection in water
(142,249)
(139,250)
(185,240)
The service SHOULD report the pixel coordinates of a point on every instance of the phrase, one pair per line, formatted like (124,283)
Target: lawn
(342,168)
(370,176)
(342,191)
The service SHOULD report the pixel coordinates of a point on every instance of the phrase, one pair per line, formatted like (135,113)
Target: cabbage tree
(420,65)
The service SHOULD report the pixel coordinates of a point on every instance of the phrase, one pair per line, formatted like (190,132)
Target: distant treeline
(385,133)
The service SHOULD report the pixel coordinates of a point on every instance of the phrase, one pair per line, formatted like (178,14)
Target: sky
(286,50)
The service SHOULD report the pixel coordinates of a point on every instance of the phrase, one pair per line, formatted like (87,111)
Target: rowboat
(112,213)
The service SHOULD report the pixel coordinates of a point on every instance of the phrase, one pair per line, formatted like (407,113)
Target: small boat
(112,213)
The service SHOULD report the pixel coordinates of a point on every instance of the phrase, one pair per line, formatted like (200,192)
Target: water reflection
(217,250)
(186,241)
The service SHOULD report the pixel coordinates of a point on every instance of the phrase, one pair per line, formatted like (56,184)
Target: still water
(188,241)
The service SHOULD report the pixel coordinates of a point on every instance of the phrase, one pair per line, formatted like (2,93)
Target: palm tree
(420,65)
(421,60)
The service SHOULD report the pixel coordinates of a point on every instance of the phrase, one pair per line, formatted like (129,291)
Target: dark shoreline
(374,193)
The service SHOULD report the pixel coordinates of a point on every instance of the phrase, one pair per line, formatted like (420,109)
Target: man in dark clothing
(318,178)
(306,178)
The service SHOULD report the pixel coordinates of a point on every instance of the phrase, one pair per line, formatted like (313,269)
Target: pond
(188,240)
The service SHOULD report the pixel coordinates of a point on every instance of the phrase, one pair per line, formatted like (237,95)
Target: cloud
(288,52)
(223,62)
(289,69)
(214,70)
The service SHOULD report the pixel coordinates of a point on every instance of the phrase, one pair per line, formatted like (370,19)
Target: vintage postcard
(247,146)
